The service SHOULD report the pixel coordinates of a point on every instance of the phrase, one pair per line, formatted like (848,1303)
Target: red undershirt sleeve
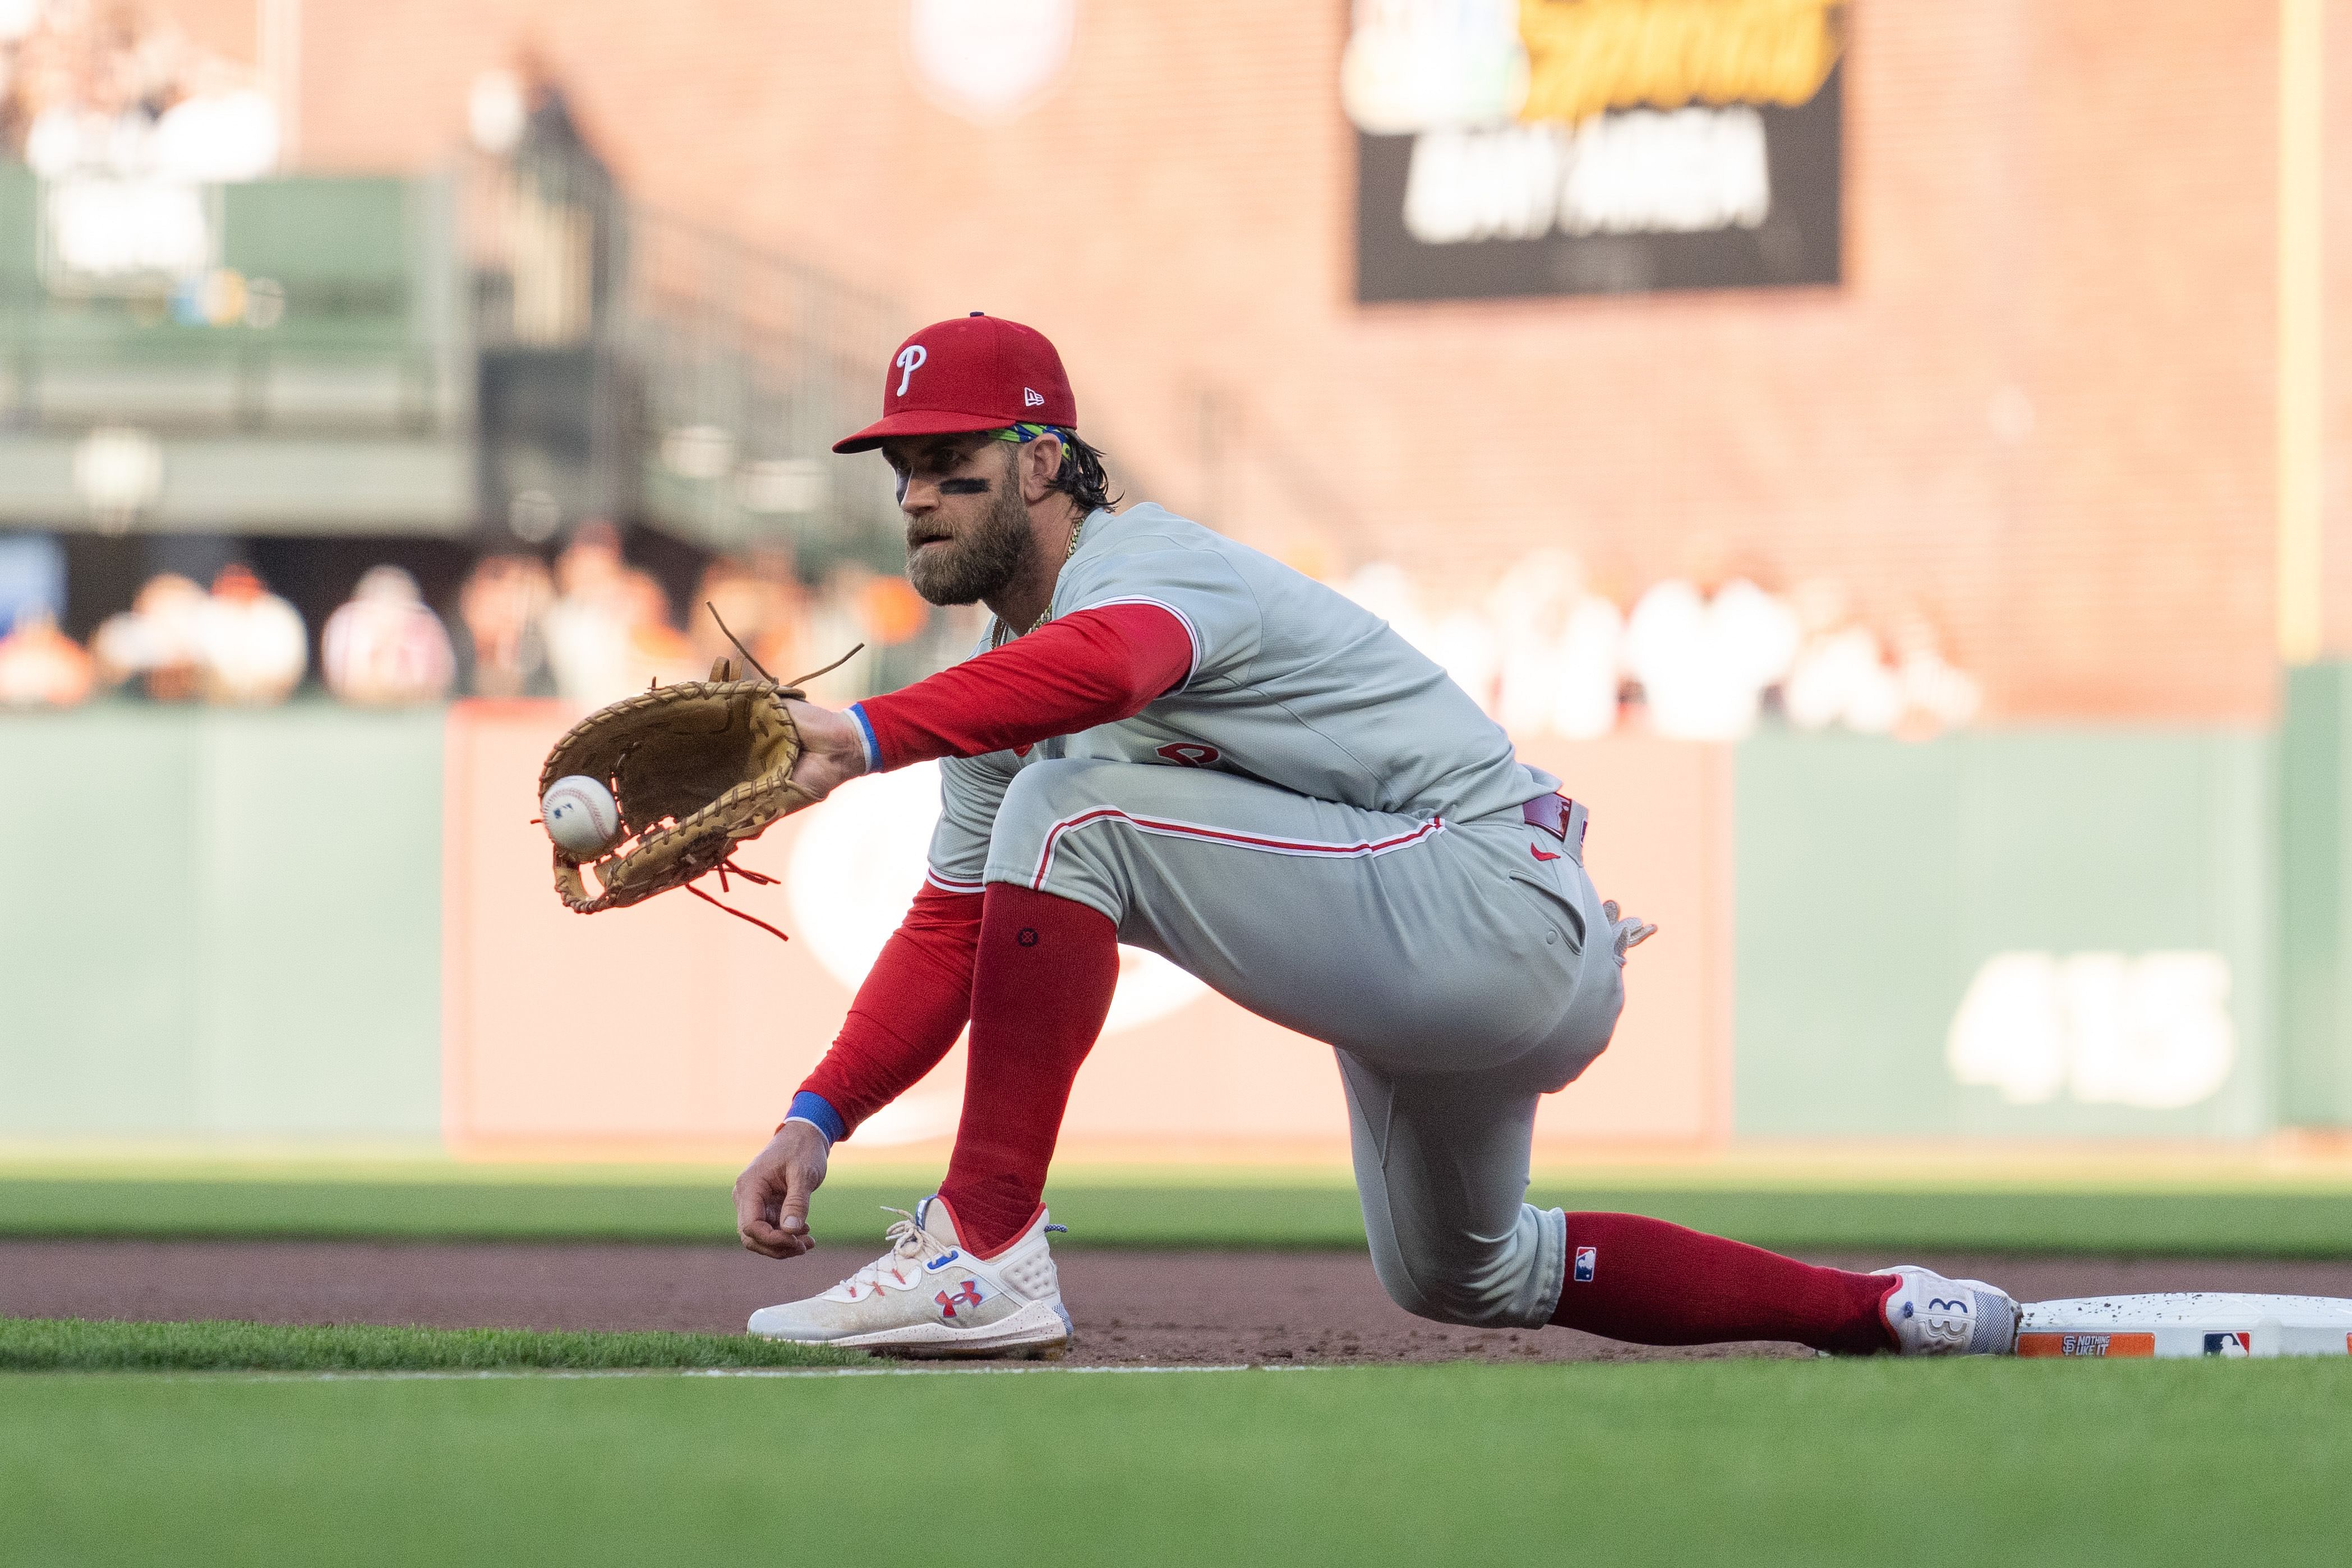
(1092,667)
(911,1009)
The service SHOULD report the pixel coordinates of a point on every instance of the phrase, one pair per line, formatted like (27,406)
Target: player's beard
(986,558)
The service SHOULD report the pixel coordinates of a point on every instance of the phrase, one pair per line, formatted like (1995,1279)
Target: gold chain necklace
(997,637)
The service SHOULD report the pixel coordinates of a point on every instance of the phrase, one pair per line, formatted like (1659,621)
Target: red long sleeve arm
(1093,666)
(911,1009)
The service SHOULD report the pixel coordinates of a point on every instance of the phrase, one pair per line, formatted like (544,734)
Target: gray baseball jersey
(1292,684)
(1322,826)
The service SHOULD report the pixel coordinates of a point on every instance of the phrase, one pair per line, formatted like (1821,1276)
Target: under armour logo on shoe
(964,1295)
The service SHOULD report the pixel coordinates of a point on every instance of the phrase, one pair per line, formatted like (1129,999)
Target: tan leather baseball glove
(695,768)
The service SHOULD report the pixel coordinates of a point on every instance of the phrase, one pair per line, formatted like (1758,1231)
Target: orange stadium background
(2041,404)
(2059,410)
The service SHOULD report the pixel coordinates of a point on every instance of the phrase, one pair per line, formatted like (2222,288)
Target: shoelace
(907,1240)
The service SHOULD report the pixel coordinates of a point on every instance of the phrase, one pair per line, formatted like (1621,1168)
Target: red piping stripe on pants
(1257,841)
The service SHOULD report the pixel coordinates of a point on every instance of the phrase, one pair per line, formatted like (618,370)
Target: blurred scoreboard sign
(1527,147)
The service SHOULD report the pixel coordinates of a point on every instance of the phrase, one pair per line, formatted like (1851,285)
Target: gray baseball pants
(1459,970)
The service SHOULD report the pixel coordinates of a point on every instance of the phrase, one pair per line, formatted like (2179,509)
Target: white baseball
(580,816)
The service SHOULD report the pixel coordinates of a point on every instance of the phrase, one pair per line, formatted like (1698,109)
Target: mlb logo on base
(2236,1342)
(1586,1258)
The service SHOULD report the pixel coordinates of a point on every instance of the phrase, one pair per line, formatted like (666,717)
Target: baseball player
(1167,739)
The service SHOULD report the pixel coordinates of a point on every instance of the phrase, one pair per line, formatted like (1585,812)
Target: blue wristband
(819,1113)
(865,737)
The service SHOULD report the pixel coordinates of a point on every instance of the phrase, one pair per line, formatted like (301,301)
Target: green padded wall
(315,229)
(227,924)
(1875,880)
(2314,885)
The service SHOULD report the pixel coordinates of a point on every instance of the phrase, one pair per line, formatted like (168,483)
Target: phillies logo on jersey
(910,360)
(964,1295)
(1189,753)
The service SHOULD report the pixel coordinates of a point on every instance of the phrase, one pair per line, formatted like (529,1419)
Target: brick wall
(2039,408)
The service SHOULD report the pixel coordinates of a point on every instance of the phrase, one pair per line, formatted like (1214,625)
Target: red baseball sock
(1040,989)
(1657,1284)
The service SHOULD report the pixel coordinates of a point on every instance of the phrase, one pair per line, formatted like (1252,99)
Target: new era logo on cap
(969,374)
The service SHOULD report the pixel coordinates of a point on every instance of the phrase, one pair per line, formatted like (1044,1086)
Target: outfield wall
(223,924)
(319,924)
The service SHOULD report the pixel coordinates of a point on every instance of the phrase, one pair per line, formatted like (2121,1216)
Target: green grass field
(384,1446)
(1747,1462)
(64,1344)
(2224,1224)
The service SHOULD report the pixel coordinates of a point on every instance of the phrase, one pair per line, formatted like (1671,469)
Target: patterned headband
(1027,433)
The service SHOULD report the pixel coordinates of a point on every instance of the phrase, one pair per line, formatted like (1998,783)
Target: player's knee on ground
(1487,1285)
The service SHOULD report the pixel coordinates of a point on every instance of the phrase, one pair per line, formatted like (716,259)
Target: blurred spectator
(384,648)
(222,128)
(836,623)
(656,649)
(610,632)
(587,634)
(762,603)
(105,90)
(1936,695)
(251,645)
(1562,649)
(1845,675)
(503,609)
(1549,654)
(157,640)
(1842,678)
(42,666)
(1706,662)
(893,612)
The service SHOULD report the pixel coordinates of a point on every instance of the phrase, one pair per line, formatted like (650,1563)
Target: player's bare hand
(831,750)
(1628,931)
(772,1195)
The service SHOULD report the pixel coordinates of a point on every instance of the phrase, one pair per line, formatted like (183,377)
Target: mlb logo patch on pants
(1587,1260)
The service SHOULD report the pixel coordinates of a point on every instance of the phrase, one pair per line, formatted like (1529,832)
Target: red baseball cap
(969,373)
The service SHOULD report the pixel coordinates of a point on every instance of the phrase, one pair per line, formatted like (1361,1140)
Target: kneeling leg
(1442,1166)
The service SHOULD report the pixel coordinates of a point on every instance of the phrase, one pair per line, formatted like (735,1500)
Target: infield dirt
(1133,1308)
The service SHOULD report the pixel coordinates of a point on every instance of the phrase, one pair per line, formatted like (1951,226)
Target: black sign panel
(1629,201)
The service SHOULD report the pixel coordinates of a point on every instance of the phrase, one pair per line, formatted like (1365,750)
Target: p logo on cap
(910,360)
(979,373)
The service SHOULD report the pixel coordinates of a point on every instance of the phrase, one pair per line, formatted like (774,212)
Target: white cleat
(1930,1315)
(929,1296)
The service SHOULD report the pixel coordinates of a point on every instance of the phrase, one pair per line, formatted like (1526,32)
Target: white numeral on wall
(2152,1031)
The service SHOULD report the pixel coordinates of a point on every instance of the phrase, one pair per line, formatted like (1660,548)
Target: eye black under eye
(963,487)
